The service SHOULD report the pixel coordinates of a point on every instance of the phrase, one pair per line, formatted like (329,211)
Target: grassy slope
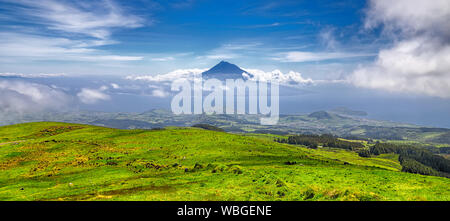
(58,161)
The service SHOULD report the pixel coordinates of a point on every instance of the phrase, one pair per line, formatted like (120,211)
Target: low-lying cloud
(305,56)
(171,76)
(289,78)
(18,97)
(92,96)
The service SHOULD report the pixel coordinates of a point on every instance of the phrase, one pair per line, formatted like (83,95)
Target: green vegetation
(339,122)
(59,161)
(208,127)
(412,166)
(414,159)
(313,141)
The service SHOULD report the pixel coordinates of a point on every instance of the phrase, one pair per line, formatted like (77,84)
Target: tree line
(325,140)
(413,159)
(408,154)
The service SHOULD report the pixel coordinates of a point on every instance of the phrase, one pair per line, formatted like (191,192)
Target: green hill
(60,161)
(320,115)
(348,125)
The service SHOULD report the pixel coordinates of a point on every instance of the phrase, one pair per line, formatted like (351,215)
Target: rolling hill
(320,122)
(61,161)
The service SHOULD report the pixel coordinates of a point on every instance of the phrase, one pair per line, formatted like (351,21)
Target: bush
(308,194)
(216,167)
(313,146)
(364,153)
(236,169)
(290,162)
(198,166)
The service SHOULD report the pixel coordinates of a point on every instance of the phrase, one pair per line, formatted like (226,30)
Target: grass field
(59,161)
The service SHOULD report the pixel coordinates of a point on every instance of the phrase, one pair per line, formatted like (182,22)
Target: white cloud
(36,47)
(111,58)
(40,75)
(63,30)
(91,18)
(409,16)
(115,86)
(91,96)
(217,56)
(171,76)
(21,97)
(290,78)
(302,56)
(170,58)
(419,60)
(327,38)
(232,50)
(160,93)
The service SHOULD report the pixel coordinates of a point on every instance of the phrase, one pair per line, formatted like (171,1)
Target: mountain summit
(224,70)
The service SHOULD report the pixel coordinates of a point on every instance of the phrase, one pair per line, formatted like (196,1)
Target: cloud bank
(290,78)
(18,97)
(419,59)
(92,96)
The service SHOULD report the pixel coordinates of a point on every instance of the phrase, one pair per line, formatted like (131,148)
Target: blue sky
(153,37)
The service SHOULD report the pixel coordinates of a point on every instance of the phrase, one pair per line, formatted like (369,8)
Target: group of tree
(325,140)
(410,157)
(412,166)
(413,159)
(208,127)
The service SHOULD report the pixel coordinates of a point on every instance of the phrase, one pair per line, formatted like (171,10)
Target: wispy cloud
(275,8)
(232,50)
(74,30)
(171,76)
(181,4)
(169,58)
(91,18)
(35,47)
(160,92)
(91,96)
(285,52)
(40,75)
(303,56)
(327,38)
(274,24)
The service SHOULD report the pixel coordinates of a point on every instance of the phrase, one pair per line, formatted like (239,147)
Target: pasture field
(61,161)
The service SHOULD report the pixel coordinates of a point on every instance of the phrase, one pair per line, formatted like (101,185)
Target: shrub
(290,162)
(364,153)
(308,194)
(236,169)
(208,127)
